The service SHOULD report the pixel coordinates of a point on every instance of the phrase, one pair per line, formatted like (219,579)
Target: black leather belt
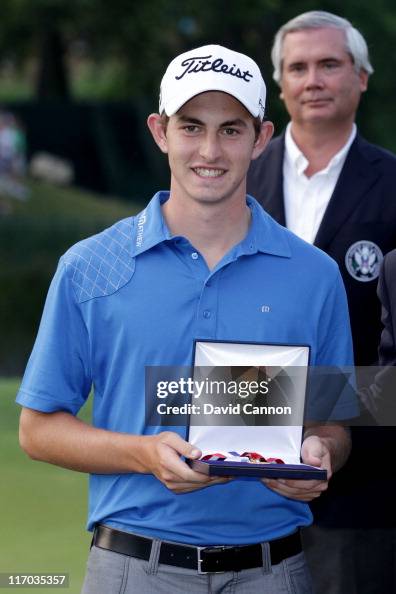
(203,559)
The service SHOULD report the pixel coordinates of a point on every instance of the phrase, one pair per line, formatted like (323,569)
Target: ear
(158,131)
(363,78)
(266,132)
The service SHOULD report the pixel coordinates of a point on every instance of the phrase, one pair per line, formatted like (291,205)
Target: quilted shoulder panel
(102,264)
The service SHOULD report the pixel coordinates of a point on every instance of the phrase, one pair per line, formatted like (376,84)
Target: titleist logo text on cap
(204,64)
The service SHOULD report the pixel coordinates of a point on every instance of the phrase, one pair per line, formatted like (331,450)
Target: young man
(198,262)
(332,188)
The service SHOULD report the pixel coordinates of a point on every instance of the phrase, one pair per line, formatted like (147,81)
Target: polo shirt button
(207,313)
(194,256)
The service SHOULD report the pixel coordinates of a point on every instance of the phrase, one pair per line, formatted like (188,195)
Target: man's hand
(161,457)
(315,452)
(62,439)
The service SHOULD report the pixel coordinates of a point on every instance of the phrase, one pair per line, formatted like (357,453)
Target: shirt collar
(150,227)
(298,161)
(264,234)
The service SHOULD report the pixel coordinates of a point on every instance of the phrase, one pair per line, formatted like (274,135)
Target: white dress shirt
(306,198)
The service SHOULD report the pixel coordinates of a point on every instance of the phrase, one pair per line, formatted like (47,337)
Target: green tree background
(129,42)
(64,54)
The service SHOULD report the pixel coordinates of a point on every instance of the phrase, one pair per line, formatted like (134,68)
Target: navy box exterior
(286,471)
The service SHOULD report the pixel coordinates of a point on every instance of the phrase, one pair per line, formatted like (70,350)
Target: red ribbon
(253,457)
(213,457)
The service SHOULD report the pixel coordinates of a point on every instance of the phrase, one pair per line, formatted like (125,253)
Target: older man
(331,187)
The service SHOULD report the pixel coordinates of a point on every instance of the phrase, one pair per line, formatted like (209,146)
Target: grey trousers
(112,573)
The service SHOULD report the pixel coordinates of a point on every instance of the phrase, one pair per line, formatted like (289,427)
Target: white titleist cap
(212,68)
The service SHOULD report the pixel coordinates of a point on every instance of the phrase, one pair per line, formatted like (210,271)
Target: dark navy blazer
(362,207)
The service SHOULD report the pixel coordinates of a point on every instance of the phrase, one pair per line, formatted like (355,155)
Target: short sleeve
(58,375)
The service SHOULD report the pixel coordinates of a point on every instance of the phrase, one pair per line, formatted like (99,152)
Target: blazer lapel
(266,174)
(356,178)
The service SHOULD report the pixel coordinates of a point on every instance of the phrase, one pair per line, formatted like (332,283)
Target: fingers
(170,467)
(177,476)
(172,471)
(306,498)
(180,488)
(180,445)
(300,490)
(313,451)
(316,453)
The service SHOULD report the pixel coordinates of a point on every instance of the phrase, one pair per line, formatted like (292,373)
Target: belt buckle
(200,560)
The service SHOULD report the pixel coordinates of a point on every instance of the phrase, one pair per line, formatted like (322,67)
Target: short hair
(356,45)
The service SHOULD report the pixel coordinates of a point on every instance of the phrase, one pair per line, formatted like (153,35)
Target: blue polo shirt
(134,295)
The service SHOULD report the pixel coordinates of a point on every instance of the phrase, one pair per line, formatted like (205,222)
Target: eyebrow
(237,122)
(320,61)
(187,119)
(227,124)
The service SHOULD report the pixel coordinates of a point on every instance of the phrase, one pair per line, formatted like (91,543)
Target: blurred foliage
(33,235)
(118,49)
(96,49)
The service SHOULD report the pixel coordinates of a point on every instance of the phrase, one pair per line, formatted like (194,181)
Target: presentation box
(257,434)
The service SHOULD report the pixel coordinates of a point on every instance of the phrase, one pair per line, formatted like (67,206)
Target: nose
(210,148)
(313,78)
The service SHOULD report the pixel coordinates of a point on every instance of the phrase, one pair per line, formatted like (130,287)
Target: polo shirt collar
(150,227)
(264,234)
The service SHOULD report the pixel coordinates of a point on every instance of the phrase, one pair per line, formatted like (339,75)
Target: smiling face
(319,82)
(210,142)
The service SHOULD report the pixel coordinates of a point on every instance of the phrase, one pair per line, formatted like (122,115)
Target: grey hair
(318,19)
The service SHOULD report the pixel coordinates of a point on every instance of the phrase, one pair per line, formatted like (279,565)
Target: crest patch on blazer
(363,260)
